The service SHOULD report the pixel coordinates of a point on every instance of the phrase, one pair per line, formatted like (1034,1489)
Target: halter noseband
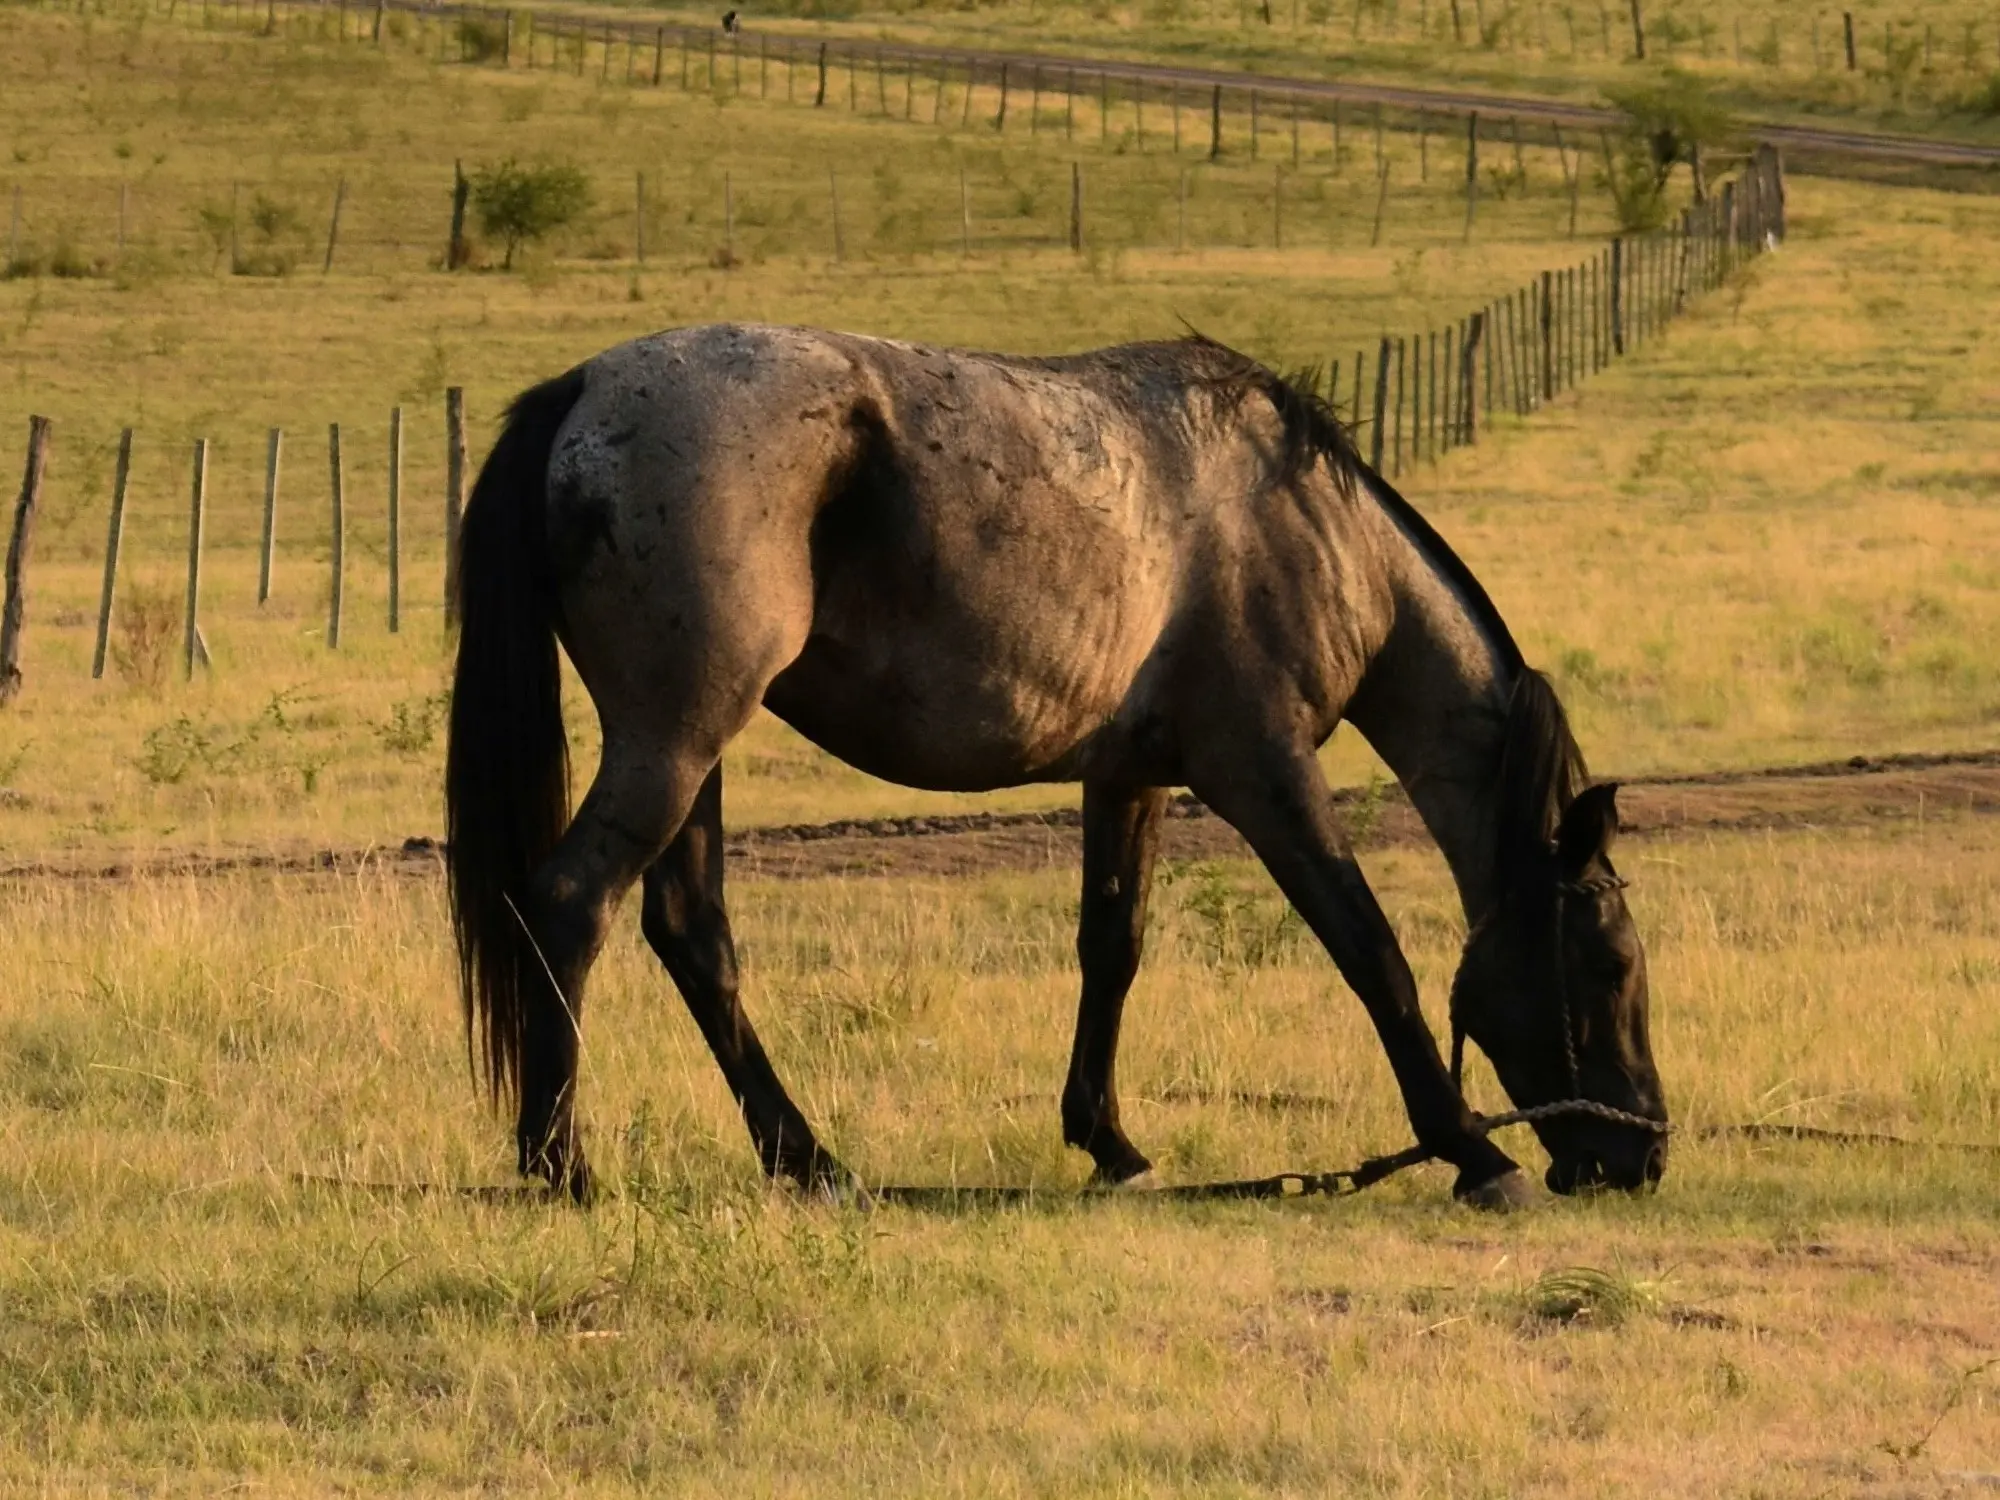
(1591,886)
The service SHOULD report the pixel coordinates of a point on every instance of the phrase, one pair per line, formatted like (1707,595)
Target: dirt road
(1834,794)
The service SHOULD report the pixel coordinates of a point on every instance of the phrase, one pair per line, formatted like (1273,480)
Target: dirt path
(1834,794)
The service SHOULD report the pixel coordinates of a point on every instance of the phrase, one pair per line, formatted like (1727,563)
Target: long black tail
(507,765)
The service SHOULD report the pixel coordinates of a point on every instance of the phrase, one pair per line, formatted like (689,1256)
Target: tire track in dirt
(1863,789)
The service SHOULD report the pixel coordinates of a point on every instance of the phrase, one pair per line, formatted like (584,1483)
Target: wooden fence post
(333,227)
(1214,128)
(639,218)
(1617,295)
(1375,438)
(456,253)
(833,190)
(1000,119)
(1471,171)
(1468,400)
(1847,25)
(819,99)
(395,520)
(1076,206)
(1548,336)
(114,538)
(1638,32)
(333,601)
(964,215)
(272,457)
(1429,375)
(1396,437)
(13,613)
(197,514)
(454,496)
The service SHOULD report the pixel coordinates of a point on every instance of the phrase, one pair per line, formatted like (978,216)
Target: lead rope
(1339,1184)
(1351,1180)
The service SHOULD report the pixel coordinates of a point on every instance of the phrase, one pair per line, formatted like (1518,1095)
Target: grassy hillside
(1929,68)
(1763,538)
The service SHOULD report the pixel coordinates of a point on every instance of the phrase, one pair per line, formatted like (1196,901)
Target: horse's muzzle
(1631,1171)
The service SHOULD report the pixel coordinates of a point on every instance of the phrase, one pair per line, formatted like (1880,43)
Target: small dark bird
(729,22)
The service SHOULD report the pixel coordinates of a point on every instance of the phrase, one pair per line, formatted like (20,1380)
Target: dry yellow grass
(1767,537)
(1770,536)
(180,1310)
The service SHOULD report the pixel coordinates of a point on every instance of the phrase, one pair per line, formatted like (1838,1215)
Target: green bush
(519,205)
(1667,122)
(481,40)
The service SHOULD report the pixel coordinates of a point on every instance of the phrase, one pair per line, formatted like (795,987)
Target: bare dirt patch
(1833,794)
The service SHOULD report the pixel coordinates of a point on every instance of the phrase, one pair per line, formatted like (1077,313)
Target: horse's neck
(1433,706)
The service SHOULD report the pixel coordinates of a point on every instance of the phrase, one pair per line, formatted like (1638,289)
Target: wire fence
(1416,397)
(1327,172)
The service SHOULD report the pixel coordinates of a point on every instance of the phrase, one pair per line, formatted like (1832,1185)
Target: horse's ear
(1587,828)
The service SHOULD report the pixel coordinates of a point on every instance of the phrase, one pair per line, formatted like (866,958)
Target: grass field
(1769,536)
(1771,531)
(181,1309)
(1927,68)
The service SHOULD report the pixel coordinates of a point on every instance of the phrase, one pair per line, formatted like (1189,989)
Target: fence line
(1433,390)
(1898,51)
(1247,119)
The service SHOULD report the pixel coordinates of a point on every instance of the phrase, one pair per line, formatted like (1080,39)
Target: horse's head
(1552,987)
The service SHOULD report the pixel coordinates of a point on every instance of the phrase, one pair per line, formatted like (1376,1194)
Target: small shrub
(1985,100)
(217,223)
(1584,1294)
(412,723)
(519,205)
(481,40)
(143,636)
(276,234)
(1505,181)
(70,263)
(1667,122)
(172,750)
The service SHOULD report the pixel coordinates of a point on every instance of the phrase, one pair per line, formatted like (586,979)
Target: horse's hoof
(843,1191)
(1146,1180)
(1507,1193)
(567,1176)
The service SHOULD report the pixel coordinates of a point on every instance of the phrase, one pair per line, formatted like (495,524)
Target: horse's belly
(958,703)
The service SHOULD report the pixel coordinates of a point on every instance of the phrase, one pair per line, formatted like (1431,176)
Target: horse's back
(949,569)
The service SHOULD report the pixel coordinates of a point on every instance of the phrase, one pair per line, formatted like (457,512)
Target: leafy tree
(519,205)
(1667,122)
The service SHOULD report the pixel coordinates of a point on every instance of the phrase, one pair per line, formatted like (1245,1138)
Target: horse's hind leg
(630,813)
(1121,838)
(685,922)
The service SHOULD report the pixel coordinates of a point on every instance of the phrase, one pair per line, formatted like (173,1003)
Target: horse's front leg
(1276,797)
(1121,840)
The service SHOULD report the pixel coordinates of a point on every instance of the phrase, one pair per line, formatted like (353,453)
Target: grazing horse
(1138,568)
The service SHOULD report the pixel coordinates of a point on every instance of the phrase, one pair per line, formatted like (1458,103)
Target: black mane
(1313,432)
(1541,767)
